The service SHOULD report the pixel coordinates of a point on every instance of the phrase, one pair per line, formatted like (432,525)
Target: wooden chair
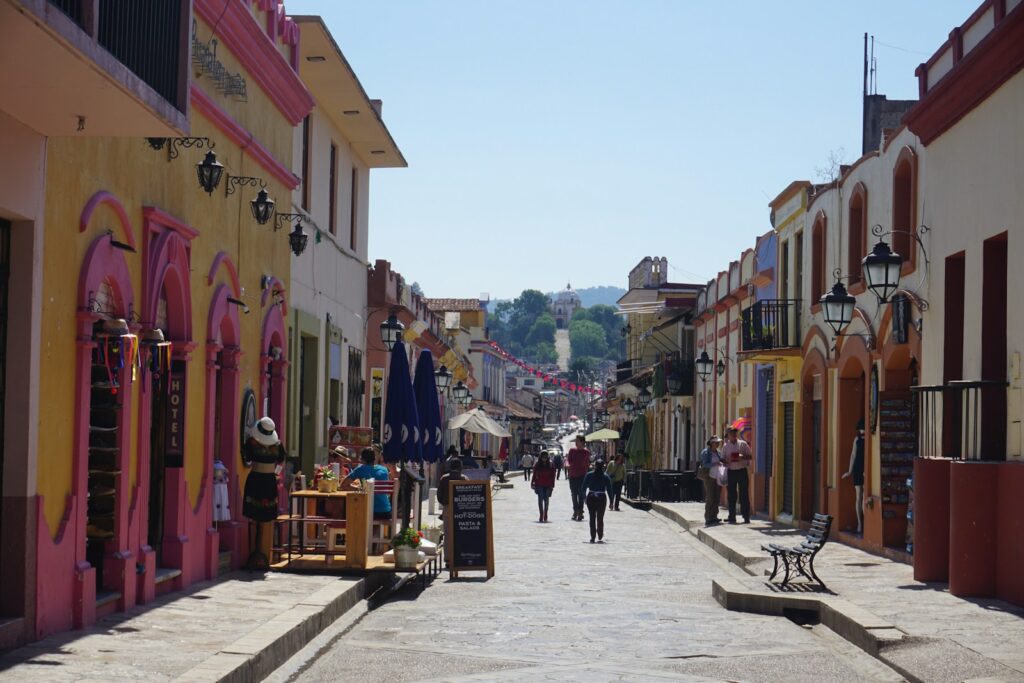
(383,529)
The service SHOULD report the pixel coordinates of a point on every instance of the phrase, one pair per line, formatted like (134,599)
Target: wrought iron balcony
(771,324)
(147,37)
(962,420)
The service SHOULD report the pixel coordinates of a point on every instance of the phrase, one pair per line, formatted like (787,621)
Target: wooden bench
(800,557)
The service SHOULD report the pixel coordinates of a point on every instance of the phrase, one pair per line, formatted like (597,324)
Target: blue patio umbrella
(402,441)
(425,389)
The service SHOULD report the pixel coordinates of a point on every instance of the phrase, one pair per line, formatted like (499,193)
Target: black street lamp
(643,398)
(882,271)
(837,307)
(391,331)
(443,378)
(209,171)
(262,207)
(297,239)
(460,391)
(626,330)
(704,365)
(628,406)
(720,368)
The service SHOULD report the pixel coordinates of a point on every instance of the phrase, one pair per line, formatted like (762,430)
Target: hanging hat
(153,336)
(115,327)
(341,452)
(265,433)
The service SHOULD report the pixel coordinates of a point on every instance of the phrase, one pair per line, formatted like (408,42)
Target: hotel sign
(174,416)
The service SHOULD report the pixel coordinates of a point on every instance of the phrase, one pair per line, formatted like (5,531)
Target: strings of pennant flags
(547,377)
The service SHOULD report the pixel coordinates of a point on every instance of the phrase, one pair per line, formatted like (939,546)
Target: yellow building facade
(134,419)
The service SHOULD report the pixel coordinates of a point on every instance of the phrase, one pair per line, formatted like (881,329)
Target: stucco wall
(971,180)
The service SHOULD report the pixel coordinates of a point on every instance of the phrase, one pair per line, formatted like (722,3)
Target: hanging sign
(376,401)
(174,423)
(470,537)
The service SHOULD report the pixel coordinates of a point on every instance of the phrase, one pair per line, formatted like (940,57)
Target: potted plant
(431,532)
(326,482)
(407,548)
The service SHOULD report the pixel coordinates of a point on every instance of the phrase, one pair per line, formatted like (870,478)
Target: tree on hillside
(611,324)
(542,331)
(587,338)
(544,353)
(521,326)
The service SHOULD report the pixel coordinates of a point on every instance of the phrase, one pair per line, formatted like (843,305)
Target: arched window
(857,235)
(904,206)
(818,257)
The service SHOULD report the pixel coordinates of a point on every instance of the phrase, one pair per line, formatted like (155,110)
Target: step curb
(258,653)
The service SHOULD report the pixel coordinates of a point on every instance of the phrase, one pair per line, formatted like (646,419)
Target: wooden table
(357,518)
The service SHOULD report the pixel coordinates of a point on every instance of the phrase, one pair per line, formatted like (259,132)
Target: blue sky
(553,141)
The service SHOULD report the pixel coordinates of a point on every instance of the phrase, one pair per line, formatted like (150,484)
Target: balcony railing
(147,37)
(771,324)
(962,420)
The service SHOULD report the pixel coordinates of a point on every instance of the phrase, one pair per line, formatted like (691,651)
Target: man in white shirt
(737,457)
(527,463)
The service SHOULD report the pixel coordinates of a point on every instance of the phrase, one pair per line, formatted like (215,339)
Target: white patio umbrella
(603,435)
(478,422)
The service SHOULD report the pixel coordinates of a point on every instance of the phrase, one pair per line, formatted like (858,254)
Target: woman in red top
(543,483)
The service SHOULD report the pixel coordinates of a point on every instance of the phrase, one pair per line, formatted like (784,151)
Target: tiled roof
(516,409)
(443,305)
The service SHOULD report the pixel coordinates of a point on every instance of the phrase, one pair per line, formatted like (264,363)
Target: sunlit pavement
(637,607)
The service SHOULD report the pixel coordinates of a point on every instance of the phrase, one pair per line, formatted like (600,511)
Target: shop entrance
(308,422)
(816,456)
(766,436)
(788,478)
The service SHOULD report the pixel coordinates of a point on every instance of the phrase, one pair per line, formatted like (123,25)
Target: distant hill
(591,296)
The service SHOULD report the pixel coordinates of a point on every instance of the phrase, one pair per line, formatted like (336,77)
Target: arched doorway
(814,470)
(222,438)
(853,370)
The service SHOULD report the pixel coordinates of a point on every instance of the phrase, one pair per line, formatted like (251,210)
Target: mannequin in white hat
(262,452)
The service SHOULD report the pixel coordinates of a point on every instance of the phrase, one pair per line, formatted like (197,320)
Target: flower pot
(406,557)
(327,485)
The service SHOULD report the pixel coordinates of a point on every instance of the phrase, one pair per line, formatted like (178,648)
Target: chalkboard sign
(468,527)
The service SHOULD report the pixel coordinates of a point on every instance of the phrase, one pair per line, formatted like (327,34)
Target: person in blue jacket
(595,489)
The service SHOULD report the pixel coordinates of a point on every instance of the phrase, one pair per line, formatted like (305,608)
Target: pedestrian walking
(579,464)
(543,484)
(527,463)
(737,456)
(558,462)
(710,461)
(616,471)
(857,472)
(596,487)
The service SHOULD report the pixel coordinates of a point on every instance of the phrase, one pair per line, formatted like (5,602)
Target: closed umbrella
(401,419)
(428,406)
(638,448)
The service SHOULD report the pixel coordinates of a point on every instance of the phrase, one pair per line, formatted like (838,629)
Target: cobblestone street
(637,608)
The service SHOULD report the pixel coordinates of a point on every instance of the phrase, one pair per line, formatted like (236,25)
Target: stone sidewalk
(238,628)
(920,629)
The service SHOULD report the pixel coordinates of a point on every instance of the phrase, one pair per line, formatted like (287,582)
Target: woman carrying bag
(711,471)
(543,484)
